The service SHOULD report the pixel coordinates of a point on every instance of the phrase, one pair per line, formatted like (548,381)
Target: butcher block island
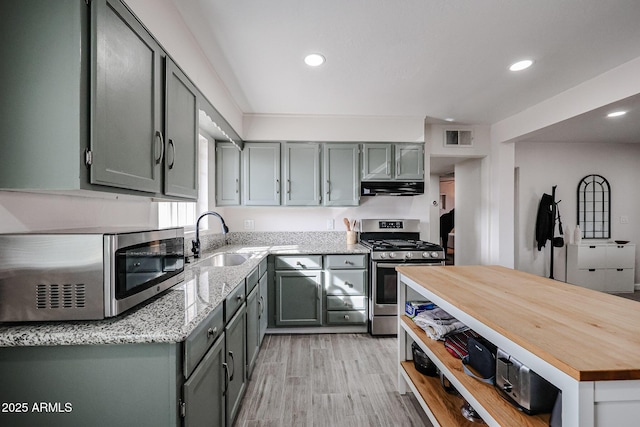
(586,343)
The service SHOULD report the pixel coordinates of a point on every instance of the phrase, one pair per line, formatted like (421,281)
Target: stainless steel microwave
(85,274)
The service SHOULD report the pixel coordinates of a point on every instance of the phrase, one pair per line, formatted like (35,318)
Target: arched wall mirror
(594,207)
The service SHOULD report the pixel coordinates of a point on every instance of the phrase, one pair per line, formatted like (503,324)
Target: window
(185,214)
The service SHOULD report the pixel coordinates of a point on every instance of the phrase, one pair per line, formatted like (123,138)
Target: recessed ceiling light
(314,59)
(449,119)
(617,114)
(521,65)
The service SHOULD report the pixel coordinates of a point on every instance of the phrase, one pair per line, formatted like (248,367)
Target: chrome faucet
(195,244)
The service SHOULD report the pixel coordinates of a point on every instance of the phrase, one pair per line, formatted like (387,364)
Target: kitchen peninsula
(582,341)
(165,363)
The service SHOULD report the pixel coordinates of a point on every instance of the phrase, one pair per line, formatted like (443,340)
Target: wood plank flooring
(327,380)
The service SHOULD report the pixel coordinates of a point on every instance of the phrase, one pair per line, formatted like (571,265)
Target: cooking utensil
(347,223)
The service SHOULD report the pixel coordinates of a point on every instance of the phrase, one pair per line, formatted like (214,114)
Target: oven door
(384,286)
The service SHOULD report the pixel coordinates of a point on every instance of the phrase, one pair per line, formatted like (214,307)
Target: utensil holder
(352,238)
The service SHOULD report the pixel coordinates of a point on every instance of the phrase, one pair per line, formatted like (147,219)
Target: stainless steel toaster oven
(85,274)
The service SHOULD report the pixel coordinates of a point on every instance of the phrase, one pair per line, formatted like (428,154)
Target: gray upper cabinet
(376,162)
(261,174)
(301,174)
(387,161)
(341,186)
(126,138)
(91,113)
(409,161)
(227,174)
(181,134)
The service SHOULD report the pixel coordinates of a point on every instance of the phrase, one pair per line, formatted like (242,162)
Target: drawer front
(199,341)
(346,302)
(346,282)
(346,261)
(346,317)
(252,279)
(262,267)
(621,256)
(234,301)
(592,256)
(305,262)
(590,278)
(619,280)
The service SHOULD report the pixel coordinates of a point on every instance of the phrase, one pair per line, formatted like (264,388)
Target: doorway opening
(447,216)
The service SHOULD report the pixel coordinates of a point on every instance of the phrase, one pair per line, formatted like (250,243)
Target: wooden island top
(589,335)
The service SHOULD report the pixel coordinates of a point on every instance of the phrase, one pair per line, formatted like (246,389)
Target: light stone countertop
(171,316)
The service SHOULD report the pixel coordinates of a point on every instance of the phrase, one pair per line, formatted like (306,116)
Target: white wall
(542,165)
(21,212)
(472,227)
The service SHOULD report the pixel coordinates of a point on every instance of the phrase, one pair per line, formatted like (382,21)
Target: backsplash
(210,242)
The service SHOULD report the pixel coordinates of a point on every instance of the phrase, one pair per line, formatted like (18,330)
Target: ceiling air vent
(55,296)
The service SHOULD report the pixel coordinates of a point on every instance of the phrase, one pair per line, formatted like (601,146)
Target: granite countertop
(172,316)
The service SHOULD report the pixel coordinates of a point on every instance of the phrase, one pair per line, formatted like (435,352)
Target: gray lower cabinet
(253,319)
(346,288)
(235,339)
(261,174)
(263,303)
(203,392)
(227,174)
(341,184)
(298,290)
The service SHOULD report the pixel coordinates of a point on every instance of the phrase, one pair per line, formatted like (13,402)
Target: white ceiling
(418,58)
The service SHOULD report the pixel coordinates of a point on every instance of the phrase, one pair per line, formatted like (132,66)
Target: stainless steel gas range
(392,242)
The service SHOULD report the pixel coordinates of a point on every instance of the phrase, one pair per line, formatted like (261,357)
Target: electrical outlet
(249,224)
(331,224)
(624,219)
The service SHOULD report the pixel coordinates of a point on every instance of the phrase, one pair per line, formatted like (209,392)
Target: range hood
(391,188)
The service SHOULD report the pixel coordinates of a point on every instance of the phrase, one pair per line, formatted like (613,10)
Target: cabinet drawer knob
(349,284)
(346,317)
(347,262)
(211,332)
(348,304)
(240,297)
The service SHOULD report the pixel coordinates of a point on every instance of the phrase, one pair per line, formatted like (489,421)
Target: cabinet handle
(347,262)
(347,304)
(619,269)
(261,307)
(237,185)
(240,297)
(592,247)
(173,153)
(212,332)
(226,378)
(328,187)
(346,317)
(592,269)
(233,366)
(299,264)
(161,138)
(277,186)
(288,186)
(397,167)
(349,284)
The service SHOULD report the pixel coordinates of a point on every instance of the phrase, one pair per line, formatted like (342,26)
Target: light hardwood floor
(327,380)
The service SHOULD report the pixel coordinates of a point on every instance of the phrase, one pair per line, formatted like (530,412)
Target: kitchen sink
(224,259)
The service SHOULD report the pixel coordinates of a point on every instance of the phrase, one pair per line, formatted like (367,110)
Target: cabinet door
(203,392)
(261,174)
(126,138)
(340,182)
(235,359)
(376,162)
(298,298)
(301,174)
(264,310)
(253,329)
(181,134)
(227,174)
(409,160)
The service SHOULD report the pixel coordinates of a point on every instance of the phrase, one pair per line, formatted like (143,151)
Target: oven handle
(399,264)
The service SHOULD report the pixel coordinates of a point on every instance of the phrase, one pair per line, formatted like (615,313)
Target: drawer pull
(299,264)
(592,269)
(619,269)
(240,297)
(212,332)
(349,284)
(348,304)
(347,262)
(592,247)
(346,317)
